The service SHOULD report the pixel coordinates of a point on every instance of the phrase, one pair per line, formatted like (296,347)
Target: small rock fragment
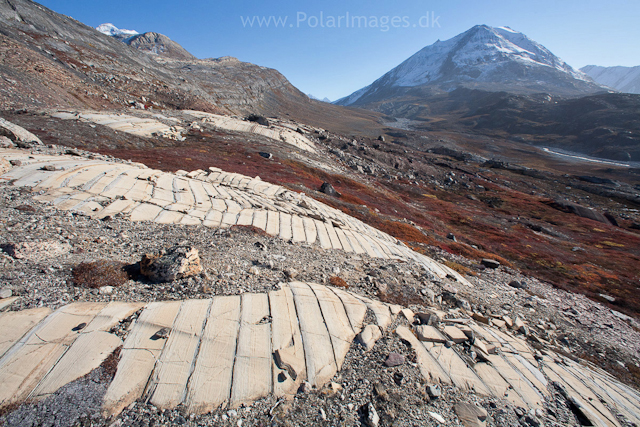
(369,335)
(498,323)
(372,419)
(106,290)
(291,273)
(427,318)
(429,334)
(286,360)
(463,304)
(5,292)
(305,387)
(408,314)
(518,285)
(490,263)
(380,391)
(394,359)
(470,415)
(434,391)
(480,318)
(79,327)
(161,334)
(5,166)
(332,389)
(455,334)
(437,417)
(508,321)
(398,377)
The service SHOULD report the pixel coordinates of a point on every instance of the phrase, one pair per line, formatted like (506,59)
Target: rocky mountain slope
(214,336)
(622,79)
(52,60)
(603,126)
(486,58)
(168,260)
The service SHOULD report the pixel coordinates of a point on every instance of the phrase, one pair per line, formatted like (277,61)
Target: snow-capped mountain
(111,30)
(150,42)
(495,59)
(622,79)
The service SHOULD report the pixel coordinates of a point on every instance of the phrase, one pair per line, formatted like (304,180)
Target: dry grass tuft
(110,364)
(460,268)
(338,282)
(100,273)
(249,229)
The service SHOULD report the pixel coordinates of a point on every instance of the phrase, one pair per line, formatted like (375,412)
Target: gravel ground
(50,243)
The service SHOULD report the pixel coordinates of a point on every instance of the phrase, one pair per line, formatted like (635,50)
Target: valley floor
(43,244)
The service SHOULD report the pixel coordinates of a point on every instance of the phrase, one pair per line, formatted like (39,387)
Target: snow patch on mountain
(111,30)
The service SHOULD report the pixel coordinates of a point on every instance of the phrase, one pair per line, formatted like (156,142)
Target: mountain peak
(484,57)
(158,44)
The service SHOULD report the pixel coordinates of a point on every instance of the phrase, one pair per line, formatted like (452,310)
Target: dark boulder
(328,189)
(582,211)
(261,120)
(490,263)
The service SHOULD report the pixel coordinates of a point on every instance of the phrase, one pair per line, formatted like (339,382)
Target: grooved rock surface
(17,133)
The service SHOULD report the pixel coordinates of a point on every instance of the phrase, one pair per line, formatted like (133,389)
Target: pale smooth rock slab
(252,376)
(497,385)
(429,334)
(583,394)
(337,321)
(210,383)
(356,309)
(138,356)
(532,398)
(29,360)
(286,336)
(15,324)
(169,381)
(429,367)
(318,349)
(461,375)
(86,354)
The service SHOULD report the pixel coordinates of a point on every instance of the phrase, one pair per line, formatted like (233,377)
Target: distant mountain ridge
(622,79)
(325,99)
(486,58)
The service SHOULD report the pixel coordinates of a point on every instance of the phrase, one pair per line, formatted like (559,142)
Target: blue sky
(333,60)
